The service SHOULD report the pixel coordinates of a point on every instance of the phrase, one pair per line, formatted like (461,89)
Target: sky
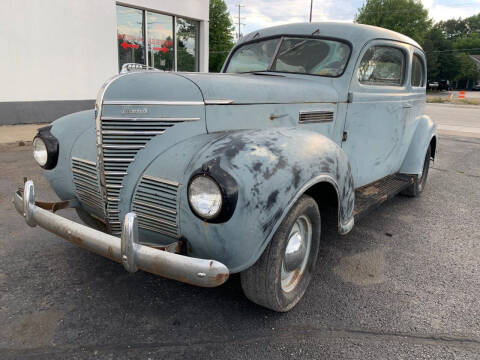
(258,14)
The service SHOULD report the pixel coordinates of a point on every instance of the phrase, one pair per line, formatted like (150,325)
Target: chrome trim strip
(166,119)
(84,161)
(133,132)
(139,202)
(114,186)
(118,159)
(123,147)
(93,177)
(149,177)
(218,102)
(152,102)
(116,173)
(98,126)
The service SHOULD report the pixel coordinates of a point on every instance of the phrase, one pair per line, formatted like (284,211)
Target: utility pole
(239,34)
(311,6)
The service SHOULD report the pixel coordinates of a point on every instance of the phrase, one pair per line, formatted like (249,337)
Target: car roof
(357,34)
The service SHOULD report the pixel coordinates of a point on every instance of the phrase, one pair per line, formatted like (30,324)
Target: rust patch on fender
(221,278)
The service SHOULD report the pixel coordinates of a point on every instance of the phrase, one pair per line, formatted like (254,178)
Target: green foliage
(408,17)
(454,28)
(220,34)
(471,41)
(186,34)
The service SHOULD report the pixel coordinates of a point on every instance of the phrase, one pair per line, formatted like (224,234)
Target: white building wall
(66,49)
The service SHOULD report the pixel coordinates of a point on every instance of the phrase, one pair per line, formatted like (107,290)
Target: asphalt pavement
(404,284)
(459,120)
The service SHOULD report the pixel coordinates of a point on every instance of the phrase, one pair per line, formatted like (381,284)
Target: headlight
(205,197)
(45,148)
(40,153)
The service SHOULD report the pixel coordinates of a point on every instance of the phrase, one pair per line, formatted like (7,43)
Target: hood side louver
(308,117)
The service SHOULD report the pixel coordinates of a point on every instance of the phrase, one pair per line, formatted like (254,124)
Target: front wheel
(418,185)
(281,276)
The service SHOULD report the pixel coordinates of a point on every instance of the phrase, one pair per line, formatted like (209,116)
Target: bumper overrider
(125,250)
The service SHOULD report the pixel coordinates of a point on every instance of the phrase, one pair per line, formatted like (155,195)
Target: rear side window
(382,65)
(417,71)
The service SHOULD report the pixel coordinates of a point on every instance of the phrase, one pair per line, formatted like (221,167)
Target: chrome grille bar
(87,186)
(155,203)
(119,140)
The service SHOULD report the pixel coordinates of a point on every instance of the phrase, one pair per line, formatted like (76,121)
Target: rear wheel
(281,276)
(418,185)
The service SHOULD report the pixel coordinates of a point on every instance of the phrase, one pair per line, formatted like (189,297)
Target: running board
(369,197)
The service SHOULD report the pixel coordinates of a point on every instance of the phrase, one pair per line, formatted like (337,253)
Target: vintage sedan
(196,176)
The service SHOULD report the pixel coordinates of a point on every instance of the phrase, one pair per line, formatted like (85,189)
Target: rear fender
(425,131)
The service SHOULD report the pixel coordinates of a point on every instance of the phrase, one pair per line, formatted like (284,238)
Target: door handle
(407,105)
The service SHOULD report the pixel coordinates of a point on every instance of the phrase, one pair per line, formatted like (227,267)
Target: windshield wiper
(293,47)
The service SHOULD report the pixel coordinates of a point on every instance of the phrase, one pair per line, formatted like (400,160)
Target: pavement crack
(289,335)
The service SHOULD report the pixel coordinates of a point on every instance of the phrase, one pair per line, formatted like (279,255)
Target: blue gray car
(195,176)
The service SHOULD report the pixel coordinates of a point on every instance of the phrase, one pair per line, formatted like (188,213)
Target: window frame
(174,32)
(424,71)
(281,37)
(404,67)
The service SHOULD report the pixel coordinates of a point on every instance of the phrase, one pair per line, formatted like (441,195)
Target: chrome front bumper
(125,250)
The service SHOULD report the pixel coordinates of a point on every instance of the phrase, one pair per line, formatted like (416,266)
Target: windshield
(294,55)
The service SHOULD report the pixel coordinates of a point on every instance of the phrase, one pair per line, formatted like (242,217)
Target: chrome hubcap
(296,254)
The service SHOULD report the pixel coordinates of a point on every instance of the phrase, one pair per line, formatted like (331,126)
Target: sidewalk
(18,134)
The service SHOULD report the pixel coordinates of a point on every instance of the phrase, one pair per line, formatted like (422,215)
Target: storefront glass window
(152,39)
(187,32)
(160,41)
(130,36)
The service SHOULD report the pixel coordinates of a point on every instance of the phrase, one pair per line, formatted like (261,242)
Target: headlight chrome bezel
(228,190)
(51,145)
(40,155)
(195,208)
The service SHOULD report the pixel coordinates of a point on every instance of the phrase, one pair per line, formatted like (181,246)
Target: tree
(454,28)
(220,34)
(408,17)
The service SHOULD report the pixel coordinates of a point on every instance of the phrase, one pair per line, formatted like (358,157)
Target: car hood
(252,88)
(262,88)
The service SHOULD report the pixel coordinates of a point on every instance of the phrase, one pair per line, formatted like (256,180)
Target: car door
(377,111)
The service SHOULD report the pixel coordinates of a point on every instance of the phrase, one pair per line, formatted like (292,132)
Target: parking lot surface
(405,283)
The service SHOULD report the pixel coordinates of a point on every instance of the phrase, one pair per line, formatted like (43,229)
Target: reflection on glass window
(382,65)
(312,56)
(417,71)
(160,41)
(253,57)
(294,55)
(130,36)
(187,45)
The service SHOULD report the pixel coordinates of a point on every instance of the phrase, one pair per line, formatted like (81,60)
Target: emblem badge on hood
(134,110)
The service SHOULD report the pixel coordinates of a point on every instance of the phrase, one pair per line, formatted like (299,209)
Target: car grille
(121,139)
(85,179)
(155,203)
(315,117)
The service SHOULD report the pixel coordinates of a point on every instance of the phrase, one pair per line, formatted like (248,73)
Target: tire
(262,283)
(418,185)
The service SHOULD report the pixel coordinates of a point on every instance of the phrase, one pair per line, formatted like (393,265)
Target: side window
(417,71)
(382,65)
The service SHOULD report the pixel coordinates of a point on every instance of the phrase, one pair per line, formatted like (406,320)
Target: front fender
(272,169)
(71,131)
(413,162)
